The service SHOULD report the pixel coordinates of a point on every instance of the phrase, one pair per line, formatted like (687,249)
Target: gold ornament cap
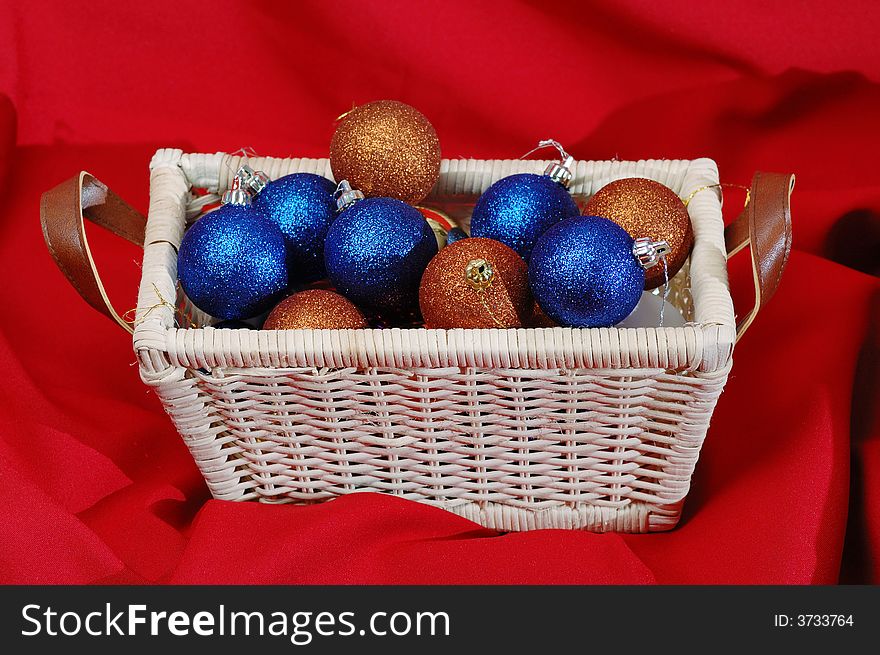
(479,274)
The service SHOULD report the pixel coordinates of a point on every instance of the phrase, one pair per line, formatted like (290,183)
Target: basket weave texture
(517,429)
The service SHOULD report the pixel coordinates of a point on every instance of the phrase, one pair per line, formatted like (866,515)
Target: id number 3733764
(813,620)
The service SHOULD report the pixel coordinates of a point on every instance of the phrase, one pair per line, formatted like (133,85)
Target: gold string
(130,316)
(343,115)
(481,294)
(720,185)
(481,286)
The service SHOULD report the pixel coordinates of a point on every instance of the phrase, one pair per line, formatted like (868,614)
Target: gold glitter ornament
(476,283)
(386,148)
(539,319)
(315,309)
(646,208)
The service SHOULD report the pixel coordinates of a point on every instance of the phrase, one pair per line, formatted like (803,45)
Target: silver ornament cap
(253,181)
(649,252)
(560,171)
(237,195)
(345,196)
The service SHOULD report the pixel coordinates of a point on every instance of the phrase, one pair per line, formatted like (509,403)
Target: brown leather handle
(62,211)
(765,226)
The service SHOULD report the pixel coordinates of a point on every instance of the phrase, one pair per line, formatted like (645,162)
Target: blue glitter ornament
(302,205)
(232,263)
(584,273)
(376,251)
(232,325)
(455,234)
(518,209)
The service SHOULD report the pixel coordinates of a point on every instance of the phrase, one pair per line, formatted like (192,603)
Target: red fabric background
(97,486)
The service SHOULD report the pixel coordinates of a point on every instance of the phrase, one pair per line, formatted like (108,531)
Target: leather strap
(62,213)
(765,226)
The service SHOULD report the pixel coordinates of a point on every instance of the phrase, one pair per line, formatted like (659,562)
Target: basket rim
(705,345)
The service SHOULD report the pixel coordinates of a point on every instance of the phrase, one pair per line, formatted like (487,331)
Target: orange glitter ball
(646,208)
(315,309)
(476,283)
(540,319)
(386,149)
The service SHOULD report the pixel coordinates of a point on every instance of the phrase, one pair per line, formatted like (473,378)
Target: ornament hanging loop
(557,171)
(245,152)
(546,143)
(650,252)
(345,196)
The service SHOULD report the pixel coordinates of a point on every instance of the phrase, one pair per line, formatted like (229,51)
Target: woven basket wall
(596,429)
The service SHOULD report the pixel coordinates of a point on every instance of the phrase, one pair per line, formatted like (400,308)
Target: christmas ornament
(376,251)
(518,209)
(315,309)
(302,205)
(539,319)
(646,208)
(475,283)
(455,234)
(386,149)
(588,271)
(439,222)
(232,263)
(232,325)
(653,311)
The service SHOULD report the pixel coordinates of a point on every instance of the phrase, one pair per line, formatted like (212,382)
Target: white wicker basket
(515,429)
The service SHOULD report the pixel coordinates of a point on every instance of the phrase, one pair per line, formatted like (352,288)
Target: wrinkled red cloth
(96,485)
